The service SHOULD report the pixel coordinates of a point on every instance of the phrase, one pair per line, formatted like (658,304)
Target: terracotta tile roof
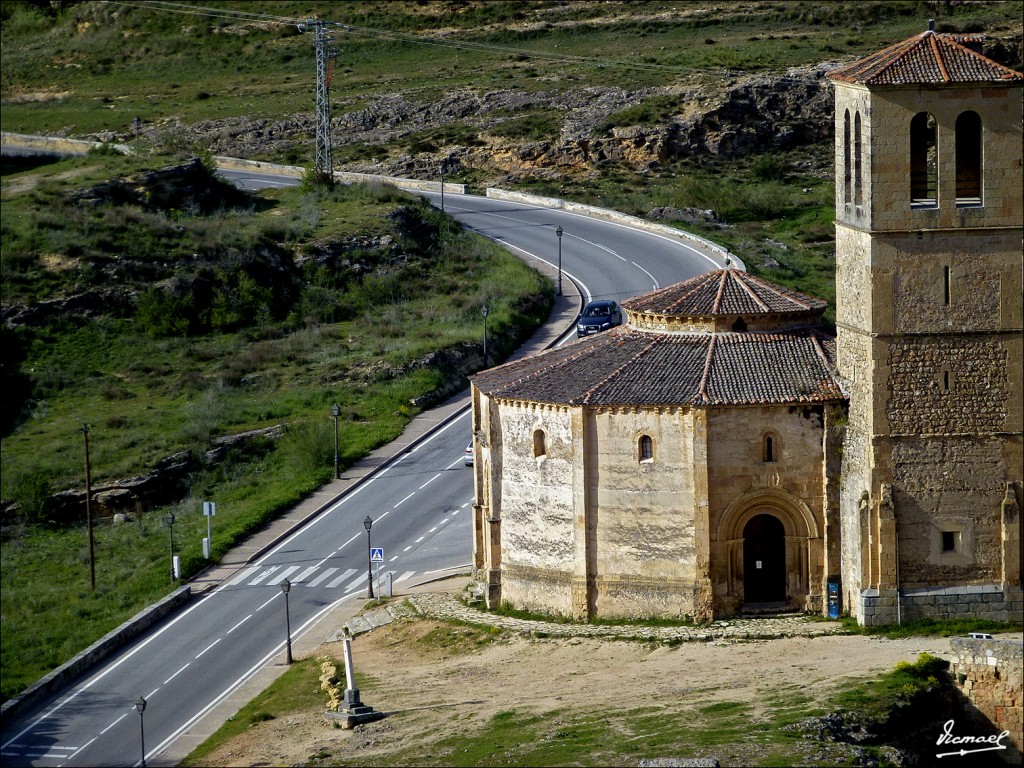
(724,292)
(630,367)
(927,59)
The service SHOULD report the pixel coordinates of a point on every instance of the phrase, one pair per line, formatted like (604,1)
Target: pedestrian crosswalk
(310,576)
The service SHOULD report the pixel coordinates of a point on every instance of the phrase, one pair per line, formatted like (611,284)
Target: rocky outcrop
(166,483)
(410,136)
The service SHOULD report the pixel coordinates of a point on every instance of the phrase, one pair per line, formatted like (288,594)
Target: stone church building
(723,451)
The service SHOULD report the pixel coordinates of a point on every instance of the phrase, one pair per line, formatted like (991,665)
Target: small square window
(949,541)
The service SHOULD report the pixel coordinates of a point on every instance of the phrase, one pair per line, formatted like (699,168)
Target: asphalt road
(420,506)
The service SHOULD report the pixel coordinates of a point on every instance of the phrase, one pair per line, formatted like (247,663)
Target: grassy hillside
(169,325)
(165,313)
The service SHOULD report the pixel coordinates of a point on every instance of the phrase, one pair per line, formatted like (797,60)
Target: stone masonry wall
(988,672)
(536,508)
(978,601)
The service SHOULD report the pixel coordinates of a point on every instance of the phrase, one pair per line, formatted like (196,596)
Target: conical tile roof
(728,292)
(637,365)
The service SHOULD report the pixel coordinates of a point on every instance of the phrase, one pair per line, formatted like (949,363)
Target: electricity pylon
(324,167)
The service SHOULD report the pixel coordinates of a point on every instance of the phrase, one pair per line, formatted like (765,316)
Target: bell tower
(929,228)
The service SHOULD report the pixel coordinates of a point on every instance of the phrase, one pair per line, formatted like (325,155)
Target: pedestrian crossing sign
(376,554)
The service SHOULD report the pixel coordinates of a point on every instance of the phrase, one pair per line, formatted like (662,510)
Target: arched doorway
(764,560)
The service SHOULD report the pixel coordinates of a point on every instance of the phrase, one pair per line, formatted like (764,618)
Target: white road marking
(360,581)
(322,577)
(177,673)
(238,624)
(122,717)
(341,578)
(305,574)
(243,575)
(393,559)
(263,575)
(407,548)
(404,576)
(400,503)
(283,575)
(209,647)
(268,602)
(429,482)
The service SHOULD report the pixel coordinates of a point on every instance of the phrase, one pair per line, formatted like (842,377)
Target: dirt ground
(435,681)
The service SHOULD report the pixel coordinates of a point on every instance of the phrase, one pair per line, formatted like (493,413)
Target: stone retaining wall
(988,672)
(979,601)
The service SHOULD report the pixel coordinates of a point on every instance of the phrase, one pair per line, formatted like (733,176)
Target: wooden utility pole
(88,509)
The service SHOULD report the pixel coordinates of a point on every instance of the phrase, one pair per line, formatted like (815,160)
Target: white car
(469,455)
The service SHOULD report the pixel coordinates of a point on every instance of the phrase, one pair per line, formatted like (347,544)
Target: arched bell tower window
(923,161)
(968,159)
(858,188)
(539,448)
(847,174)
(770,448)
(645,448)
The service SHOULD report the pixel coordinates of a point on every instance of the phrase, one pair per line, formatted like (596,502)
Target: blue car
(598,316)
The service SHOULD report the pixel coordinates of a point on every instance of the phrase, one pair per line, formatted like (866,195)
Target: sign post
(209,509)
(377,556)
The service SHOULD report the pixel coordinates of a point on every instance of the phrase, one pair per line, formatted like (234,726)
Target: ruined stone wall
(642,515)
(537,535)
(988,672)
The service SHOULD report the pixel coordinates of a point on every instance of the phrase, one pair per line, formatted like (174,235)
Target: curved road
(420,505)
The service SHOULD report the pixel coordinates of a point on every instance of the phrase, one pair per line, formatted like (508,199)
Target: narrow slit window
(946,275)
(769,448)
(847,176)
(968,159)
(857,181)
(923,161)
(539,448)
(945,381)
(646,448)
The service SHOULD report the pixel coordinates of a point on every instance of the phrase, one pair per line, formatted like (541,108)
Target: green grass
(296,690)
(147,390)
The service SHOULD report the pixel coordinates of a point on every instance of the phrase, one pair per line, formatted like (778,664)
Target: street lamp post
(336,410)
(368,524)
(483,312)
(88,510)
(141,706)
(559,232)
(168,520)
(285,587)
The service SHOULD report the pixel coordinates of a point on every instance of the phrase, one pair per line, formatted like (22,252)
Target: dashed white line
(209,647)
(393,559)
(239,624)
(178,672)
(407,548)
(402,501)
(429,481)
(268,602)
(421,538)
(122,717)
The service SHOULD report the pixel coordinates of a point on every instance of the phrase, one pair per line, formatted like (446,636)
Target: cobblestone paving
(446,606)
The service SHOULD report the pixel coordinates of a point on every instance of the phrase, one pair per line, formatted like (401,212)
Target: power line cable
(369,32)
